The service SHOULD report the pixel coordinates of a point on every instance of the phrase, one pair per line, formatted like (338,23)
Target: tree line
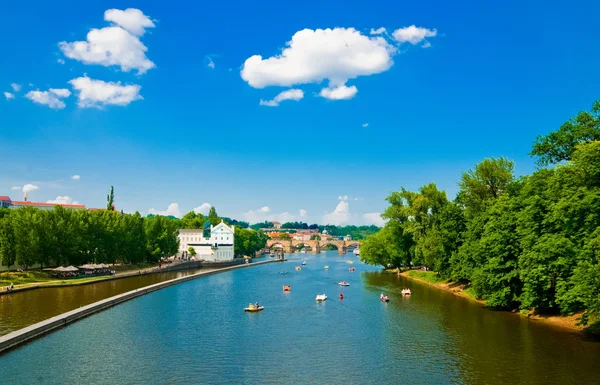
(31,236)
(529,242)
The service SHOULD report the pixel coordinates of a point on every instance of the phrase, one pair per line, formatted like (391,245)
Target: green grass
(469,292)
(15,278)
(428,276)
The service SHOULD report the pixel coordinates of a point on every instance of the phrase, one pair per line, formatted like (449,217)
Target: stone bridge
(291,245)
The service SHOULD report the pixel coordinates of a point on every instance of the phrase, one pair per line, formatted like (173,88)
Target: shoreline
(119,275)
(564,322)
(24,335)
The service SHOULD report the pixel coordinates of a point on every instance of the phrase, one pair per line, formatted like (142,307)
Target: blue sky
(165,128)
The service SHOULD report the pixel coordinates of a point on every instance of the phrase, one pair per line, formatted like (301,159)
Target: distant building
(347,238)
(6,202)
(217,247)
(276,225)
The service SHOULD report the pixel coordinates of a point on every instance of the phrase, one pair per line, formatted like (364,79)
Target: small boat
(326,267)
(384,298)
(298,268)
(343,283)
(406,292)
(321,297)
(350,262)
(303,251)
(303,263)
(356,251)
(282,272)
(352,269)
(254,309)
(287,288)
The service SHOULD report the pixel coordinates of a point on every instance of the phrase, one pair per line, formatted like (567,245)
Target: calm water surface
(197,332)
(24,308)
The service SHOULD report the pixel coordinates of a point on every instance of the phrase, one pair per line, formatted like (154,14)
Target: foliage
(262,225)
(30,236)
(192,251)
(248,242)
(315,237)
(110,199)
(526,243)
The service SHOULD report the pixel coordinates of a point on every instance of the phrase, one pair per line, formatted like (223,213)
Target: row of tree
(30,236)
(531,242)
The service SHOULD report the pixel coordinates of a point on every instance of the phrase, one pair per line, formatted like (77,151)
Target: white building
(217,248)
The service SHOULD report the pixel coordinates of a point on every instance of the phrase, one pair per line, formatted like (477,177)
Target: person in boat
(256,305)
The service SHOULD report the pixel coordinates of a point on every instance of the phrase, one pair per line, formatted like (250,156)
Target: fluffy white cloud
(303,212)
(338,93)
(16,87)
(60,61)
(203,208)
(131,19)
(374,219)
(63,200)
(293,94)
(29,187)
(211,63)
(76,177)
(97,93)
(16,188)
(265,214)
(51,98)
(413,34)
(365,125)
(426,45)
(343,197)
(173,210)
(117,45)
(378,31)
(9,96)
(340,216)
(312,56)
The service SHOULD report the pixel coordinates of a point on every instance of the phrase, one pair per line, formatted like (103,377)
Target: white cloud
(211,63)
(9,96)
(29,187)
(303,212)
(60,61)
(116,45)
(264,214)
(365,125)
(97,93)
(173,210)
(312,56)
(51,98)
(131,19)
(293,94)
(76,177)
(426,45)
(413,34)
(343,197)
(16,188)
(378,31)
(338,93)
(265,209)
(63,200)
(374,219)
(340,216)
(203,208)
(16,87)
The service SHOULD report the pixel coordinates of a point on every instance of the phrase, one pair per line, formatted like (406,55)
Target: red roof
(43,204)
(4,198)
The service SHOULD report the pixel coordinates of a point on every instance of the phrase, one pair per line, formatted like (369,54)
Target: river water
(196,332)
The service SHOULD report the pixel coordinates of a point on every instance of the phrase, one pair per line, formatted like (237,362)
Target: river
(196,332)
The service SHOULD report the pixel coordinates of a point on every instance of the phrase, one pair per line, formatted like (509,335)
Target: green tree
(560,145)
(110,199)
(8,252)
(192,251)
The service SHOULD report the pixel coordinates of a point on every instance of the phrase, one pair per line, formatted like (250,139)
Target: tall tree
(560,145)
(110,199)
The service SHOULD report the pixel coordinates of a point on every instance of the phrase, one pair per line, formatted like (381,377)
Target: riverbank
(461,290)
(39,280)
(36,330)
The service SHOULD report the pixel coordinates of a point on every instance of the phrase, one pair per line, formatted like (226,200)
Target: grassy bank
(37,277)
(464,290)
